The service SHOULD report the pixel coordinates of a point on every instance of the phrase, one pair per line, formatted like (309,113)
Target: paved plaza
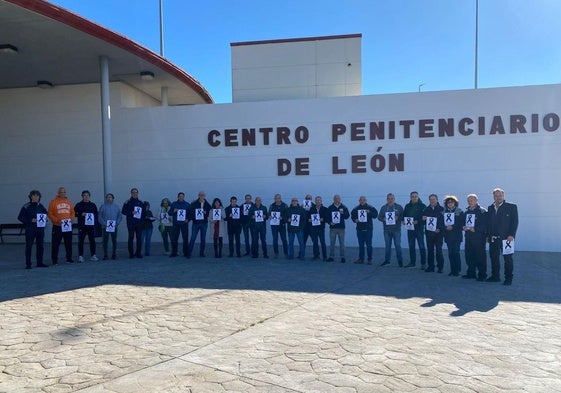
(253,325)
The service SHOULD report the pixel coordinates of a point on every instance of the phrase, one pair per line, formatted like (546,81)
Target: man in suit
(502,225)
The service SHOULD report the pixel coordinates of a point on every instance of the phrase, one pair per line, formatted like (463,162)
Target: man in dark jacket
(247,223)
(258,214)
(475,227)
(133,210)
(234,225)
(434,224)
(33,216)
(86,212)
(317,217)
(503,223)
(199,208)
(362,215)
(278,225)
(296,218)
(337,213)
(453,233)
(180,215)
(413,215)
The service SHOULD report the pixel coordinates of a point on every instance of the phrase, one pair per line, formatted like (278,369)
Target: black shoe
(69,261)
(369,262)
(266,256)
(410,265)
(113,257)
(42,265)
(479,278)
(139,256)
(423,267)
(493,279)
(440,270)
(469,276)
(359,261)
(201,255)
(400,264)
(239,255)
(55,263)
(385,263)
(429,270)
(343,260)
(172,255)
(507,282)
(329,260)
(105,257)
(27,267)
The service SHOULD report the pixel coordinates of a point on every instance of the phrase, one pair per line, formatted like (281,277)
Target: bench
(11,230)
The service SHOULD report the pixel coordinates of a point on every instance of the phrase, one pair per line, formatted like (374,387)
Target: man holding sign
(503,223)
(391,215)
(258,214)
(475,228)
(296,218)
(109,217)
(179,211)
(433,218)
(317,217)
(337,213)
(362,215)
(234,214)
(86,212)
(33,216)
(61,214)
(133,209)
(200,209)
(278,225)
(413,222)
(453,232)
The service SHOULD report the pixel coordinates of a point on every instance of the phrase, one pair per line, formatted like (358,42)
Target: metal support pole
(161,28)
(476,37)
(106,124)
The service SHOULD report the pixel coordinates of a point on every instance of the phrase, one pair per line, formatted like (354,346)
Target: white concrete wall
(163,150)
(296,69)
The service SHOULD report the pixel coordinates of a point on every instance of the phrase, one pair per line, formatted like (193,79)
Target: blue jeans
(301,250)
(396,237)
(277,230)
(364,241)
(198,227)
(419,237)
(147,239)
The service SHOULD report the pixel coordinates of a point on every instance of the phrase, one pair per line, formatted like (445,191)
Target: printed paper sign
(449,219)
(181,214)
(295,220)
(335,217)
(408,221)
(217,214)
(470,220)
(66,225)
(137,213)
(164,218)
(275,218)
(89,219)
(110,226)
(431,224)
(307,204)
(41,220)
(199,214)
(259,216)
(246,207)
(236,213)
(390,218)
(508,247)
(315,219)
(362,215)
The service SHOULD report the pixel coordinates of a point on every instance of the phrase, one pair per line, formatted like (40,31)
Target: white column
(106,124)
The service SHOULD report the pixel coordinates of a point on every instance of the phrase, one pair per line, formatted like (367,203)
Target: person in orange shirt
(61,214)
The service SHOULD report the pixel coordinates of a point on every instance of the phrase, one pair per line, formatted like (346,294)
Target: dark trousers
(234,240)
(246,236)
(182,229)
(196,228)
(258,232)
(417,236)
(454,256)
(167,233)
(318,236)
(82,233)
(364,241)
(217,243)
(135,230)
(476,259)
(301,246)
(307,232)
(495,249)
(105,238)
(56,239)
(279,230)
(434,246)
(31,236)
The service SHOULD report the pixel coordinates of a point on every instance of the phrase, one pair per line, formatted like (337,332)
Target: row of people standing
(300,221)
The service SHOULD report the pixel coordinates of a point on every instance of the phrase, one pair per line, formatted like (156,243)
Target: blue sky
(404,42)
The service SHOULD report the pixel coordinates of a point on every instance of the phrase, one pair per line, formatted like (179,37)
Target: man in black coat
(502,225)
